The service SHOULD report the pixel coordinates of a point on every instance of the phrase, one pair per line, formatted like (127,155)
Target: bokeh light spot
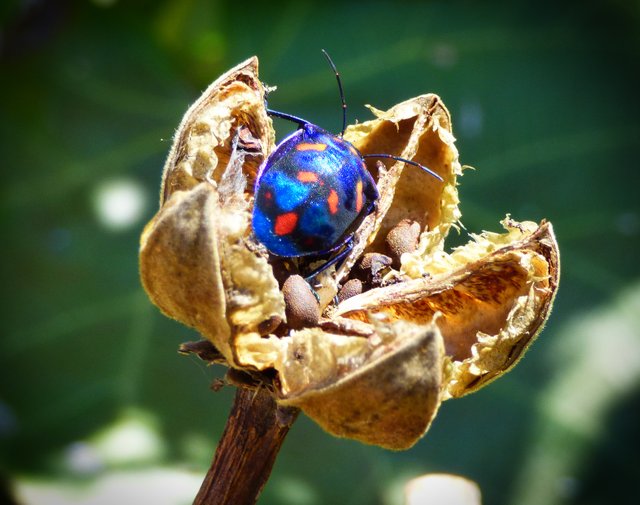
(119,203)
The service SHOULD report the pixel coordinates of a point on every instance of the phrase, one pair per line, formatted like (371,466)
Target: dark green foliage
(544,105)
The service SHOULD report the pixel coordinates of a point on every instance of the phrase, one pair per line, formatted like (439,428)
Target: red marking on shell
(359,195)
(307,176)
(285,223)
(268,195)
(306,146)
(333,201)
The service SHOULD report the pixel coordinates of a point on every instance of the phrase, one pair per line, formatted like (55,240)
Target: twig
(254,433)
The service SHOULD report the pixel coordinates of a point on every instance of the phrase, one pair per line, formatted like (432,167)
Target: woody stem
(253,435)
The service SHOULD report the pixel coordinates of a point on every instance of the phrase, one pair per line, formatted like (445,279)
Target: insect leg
(332,261)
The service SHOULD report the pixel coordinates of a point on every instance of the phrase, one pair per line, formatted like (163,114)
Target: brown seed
(350,288)
(269,326)
(371,268)
(402,238)
(302,307)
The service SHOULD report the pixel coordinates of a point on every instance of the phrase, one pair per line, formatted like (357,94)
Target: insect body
(313,192)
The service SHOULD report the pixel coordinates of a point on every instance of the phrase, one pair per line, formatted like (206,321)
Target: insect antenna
(289,117)
(404,160)
(344,104)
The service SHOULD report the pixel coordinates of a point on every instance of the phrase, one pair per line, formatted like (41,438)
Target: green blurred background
(96,407)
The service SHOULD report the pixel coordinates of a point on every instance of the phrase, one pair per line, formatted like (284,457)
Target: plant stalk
(244,458)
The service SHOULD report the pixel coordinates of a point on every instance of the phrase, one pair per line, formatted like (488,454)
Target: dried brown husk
(490,298)
(194,260)
(377,365)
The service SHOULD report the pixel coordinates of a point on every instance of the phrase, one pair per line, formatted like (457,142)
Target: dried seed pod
(195,263)
(489,310)
(386,394)
(232,106)
(377,364)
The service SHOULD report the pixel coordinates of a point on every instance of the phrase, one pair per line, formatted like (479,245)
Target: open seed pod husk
(373,364)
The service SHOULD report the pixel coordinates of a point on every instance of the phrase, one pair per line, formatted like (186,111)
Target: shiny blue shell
(311,194)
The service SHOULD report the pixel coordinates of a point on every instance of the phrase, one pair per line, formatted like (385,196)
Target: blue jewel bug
(314,190)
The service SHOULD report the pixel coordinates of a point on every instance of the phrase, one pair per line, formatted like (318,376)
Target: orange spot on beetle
(306,146)
(359,195)
(307,176)
(285,223)
(333,201)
